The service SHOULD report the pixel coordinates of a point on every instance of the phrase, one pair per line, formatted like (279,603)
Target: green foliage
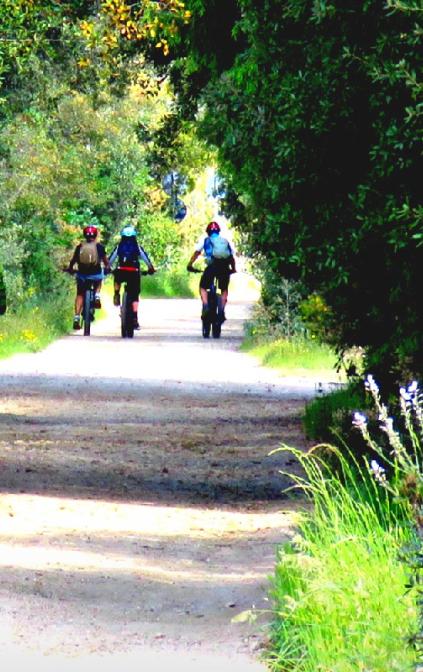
(328,417)
(334,608)
(315,109)
(35,324)
(294,357)
(170,283)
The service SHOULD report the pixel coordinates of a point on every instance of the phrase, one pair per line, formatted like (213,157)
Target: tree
(315,112)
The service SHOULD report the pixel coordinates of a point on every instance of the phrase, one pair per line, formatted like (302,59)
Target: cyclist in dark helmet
(89,257)
(220,260)
(128,254)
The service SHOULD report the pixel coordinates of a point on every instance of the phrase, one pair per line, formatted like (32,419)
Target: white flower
(360,420)
(378,471)
(413,387)
(405,394)
(371,385)
(389,425)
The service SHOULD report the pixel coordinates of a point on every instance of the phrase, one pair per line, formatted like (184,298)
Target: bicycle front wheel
(86,313)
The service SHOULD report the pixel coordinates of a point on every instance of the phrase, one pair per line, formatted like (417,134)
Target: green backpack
(88,258)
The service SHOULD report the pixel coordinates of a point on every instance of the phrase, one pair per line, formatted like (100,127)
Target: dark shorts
(132,280)
(81,286)
(218,270)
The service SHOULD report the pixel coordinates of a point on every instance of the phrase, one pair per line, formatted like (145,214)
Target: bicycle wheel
(86,312)
(216,329)
(127,317)
(206,328)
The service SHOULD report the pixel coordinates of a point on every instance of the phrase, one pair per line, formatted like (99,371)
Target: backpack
(217,247)
(88,258)
(128,251)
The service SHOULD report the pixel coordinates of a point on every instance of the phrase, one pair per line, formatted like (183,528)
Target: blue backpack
(128,251)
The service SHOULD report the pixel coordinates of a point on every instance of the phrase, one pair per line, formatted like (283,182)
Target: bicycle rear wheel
(206,327)
(217,323)
(216,329)
(127,317)
(86,313)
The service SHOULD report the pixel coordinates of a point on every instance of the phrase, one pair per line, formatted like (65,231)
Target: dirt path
(139,507)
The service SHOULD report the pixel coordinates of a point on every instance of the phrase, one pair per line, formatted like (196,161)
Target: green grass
(339,590)
(34,326)
(299,356)
(175,283)
(329,415)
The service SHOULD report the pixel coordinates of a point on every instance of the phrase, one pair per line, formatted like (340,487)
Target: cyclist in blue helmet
(220,260)
(127,255)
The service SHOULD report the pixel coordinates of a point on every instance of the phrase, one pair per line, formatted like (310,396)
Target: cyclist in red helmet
(220,260)
(89,257)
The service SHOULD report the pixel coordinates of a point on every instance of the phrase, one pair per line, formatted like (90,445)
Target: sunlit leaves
(146,22)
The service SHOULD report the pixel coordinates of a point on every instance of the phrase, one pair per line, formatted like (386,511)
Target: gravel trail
(140,509)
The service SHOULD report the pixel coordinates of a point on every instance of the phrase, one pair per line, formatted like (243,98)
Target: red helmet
(90,232)
(213,227)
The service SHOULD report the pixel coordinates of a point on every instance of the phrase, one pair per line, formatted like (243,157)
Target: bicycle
(212,322)
(127,315)
(88,307)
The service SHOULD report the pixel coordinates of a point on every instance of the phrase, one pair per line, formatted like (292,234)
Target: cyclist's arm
(113,256)
(103,256)
(146,259)
(75,258)
(232,266)
(193,258)
(106,263)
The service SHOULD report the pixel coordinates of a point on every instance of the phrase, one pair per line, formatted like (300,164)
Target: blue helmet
(128,231)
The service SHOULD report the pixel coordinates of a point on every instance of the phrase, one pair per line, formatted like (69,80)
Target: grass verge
(297,356)
(34,326)
(339,590)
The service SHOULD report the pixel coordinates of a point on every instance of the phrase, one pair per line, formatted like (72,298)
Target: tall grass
(35,325)
(339,589)
(296,356)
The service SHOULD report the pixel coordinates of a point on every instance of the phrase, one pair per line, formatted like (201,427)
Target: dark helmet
(90,232)
(213,227)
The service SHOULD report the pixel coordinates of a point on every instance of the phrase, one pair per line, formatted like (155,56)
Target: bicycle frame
(88,308)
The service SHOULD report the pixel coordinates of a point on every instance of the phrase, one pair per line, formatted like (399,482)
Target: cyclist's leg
(79,301)
(97,290)
(223,276)
(117,285)
(205,284)
(134,289)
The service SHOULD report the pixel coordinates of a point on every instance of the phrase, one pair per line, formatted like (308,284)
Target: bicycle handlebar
(198,270)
